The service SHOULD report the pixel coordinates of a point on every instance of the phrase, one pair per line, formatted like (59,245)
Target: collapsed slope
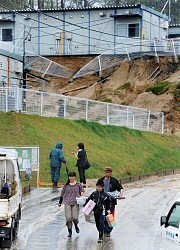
(127,84)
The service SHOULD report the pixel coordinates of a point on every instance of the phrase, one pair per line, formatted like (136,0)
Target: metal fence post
(65,106)
(86,109)
(100,69)
(162,131)
(127,122)
(133,120)
(6,103)
(148,120)
(127,52)
(41,103)
(108,114)
(17,99)
(155,50)
(174,50)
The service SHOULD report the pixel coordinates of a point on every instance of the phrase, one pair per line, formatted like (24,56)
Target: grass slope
(128,152)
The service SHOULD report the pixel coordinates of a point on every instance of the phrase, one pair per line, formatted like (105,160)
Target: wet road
(43,223)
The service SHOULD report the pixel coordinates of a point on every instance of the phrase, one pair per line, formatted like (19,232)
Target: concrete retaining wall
(145,176)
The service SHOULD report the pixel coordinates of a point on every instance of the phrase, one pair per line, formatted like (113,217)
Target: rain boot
(100,237)
(55,187)
(76,228)
(69,232)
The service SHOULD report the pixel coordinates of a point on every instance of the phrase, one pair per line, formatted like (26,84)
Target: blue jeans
(55,174)
(99,219)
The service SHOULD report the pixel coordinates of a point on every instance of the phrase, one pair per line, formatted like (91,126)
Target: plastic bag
(81,200)
(114,194)
(110,220)
(89,207)
(90,218)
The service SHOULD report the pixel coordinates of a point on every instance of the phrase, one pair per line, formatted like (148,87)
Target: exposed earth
(125,84)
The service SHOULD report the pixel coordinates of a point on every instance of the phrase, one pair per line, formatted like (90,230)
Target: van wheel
(8,242)
(15,230)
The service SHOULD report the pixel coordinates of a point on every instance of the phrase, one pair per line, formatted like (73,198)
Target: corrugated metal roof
(69,9)
(174,25)
(123,6)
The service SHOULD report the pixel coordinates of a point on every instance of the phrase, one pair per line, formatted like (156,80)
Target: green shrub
(107,100)
(159,89)
(126,85)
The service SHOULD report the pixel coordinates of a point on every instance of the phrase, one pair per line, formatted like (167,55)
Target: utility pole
(24,54)
(26,36)
(169,9)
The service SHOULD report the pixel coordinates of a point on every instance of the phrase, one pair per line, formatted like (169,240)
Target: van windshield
(174,217)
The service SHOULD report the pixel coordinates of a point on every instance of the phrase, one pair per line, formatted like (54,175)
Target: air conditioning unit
(2,17)
(164,24)
(57,35)
(27,17)
(102,13)
(68,36)
(18,67)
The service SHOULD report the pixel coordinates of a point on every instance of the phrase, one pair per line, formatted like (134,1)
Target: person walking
(56,158)
(81,157)
(102,208)
(70,191)
(111,184)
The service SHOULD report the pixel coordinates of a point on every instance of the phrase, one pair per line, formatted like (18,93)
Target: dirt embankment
(125,84)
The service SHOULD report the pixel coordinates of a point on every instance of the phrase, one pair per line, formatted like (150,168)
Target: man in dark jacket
(111,184)
(56,158)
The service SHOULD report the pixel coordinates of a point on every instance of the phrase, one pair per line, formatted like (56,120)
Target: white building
(81,31)
(174,30)
(11,69)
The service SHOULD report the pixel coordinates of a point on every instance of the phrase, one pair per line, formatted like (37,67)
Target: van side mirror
(163,220)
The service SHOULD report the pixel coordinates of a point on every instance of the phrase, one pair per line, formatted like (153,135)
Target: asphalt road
(137,216)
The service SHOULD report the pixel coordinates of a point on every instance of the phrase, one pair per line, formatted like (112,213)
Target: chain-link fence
(131,50)
(55,105)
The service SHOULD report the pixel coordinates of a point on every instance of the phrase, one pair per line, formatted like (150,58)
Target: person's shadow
(107,244)
(72,244)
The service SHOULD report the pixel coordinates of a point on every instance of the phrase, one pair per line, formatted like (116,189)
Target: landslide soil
(125,84)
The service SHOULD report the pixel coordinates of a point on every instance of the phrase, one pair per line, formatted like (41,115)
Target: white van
(170,226)
(10,196)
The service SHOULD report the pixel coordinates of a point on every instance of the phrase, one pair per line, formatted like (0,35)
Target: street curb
(145,176)
(129,179)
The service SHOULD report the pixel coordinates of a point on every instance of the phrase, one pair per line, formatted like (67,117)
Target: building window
(7,35)
(122,29)
(128,29)
(133,30)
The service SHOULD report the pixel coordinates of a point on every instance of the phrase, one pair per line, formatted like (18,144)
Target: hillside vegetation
(128,152)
